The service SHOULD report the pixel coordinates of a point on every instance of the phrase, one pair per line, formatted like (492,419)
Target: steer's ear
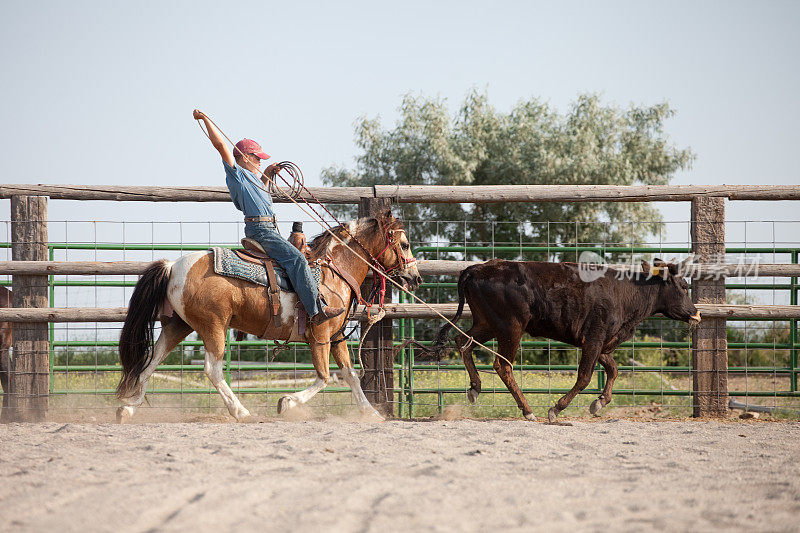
(652,271)
(674,269)
(661,268)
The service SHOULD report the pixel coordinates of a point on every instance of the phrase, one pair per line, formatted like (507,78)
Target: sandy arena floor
(461,475)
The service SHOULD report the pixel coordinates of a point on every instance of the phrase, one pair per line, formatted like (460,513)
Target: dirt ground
(343,475)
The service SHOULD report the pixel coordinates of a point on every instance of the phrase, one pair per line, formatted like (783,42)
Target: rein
(402,264)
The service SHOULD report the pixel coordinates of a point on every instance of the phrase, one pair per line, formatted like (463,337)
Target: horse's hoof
(596,406)
(371,415)
(241,414)
(285,403)
(552,414)
(472,395)
(530,417)
(123,415)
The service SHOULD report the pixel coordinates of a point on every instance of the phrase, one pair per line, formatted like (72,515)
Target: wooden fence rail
(430,267)
(393,310)
(422,193)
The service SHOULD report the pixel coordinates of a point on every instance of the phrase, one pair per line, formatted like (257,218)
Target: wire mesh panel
(84,357)
(655,365)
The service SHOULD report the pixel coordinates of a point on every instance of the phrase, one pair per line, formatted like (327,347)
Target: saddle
(247,264)
(253,252)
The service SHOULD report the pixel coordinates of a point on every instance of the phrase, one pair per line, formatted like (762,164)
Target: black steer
(585,306)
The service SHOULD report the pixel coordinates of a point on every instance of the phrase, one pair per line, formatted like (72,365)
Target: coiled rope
(297,184)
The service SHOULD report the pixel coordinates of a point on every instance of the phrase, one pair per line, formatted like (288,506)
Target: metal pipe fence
(655,366)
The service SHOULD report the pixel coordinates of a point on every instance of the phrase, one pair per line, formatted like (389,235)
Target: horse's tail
(439,346)
(135,341)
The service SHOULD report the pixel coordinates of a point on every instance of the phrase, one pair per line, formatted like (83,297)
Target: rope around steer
(319,218)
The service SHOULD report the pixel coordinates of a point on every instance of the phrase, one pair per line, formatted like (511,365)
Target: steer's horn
(688,261)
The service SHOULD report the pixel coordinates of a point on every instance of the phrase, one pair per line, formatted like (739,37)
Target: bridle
(394,243)
(377,294)
(382,272)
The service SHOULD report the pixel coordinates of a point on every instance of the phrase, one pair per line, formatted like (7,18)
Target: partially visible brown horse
(208,303)
(5,346)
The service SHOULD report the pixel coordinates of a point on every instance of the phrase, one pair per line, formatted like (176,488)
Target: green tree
(591,143)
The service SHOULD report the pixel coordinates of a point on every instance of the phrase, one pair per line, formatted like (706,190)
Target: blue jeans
(290,258)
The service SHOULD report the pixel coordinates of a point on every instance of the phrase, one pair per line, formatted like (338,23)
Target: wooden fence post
(30,365)
(709,339)
(378,380)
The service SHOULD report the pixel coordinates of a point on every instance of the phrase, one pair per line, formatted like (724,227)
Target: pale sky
(102,92)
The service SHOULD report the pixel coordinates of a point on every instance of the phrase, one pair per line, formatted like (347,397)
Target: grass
(92,390)
(496,401)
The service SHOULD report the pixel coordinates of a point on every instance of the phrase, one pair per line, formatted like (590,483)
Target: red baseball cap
(249,146)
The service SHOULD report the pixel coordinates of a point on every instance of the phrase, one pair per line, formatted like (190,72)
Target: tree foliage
(591,143)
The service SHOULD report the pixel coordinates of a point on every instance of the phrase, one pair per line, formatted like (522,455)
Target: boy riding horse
(242,175)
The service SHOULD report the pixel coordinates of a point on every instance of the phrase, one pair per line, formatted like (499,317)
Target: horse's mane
(365,229)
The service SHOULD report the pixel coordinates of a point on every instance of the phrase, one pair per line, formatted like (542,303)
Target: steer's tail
(136,339)
(439,346)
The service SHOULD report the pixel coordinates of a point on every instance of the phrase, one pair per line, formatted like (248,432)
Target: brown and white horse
(187,295)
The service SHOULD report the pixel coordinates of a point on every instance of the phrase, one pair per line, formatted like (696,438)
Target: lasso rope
(377,268)
(297,186)
(273,186)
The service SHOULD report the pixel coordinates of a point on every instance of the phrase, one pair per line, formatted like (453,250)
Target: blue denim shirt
(246,196)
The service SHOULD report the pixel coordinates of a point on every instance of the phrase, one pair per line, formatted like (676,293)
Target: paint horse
(187,295)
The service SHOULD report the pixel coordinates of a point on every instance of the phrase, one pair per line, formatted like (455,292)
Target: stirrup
(322,316)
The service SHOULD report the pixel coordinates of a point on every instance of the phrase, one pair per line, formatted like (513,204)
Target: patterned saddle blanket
(227,263)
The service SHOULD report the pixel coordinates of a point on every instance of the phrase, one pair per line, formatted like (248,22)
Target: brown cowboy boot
(326,313)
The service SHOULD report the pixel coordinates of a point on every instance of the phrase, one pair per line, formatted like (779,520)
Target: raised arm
(216,138)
